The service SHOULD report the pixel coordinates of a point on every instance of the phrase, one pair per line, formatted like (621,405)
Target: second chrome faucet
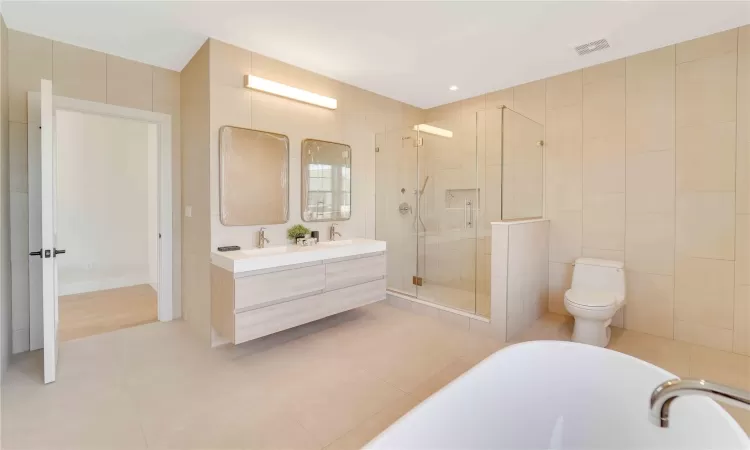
(333,233)
(262,239)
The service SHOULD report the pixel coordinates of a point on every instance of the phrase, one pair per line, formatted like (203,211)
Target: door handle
(39,253)
(58,252)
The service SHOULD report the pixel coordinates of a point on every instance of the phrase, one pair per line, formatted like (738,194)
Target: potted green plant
(296,232)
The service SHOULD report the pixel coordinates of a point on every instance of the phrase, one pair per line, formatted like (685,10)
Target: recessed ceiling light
(453,88)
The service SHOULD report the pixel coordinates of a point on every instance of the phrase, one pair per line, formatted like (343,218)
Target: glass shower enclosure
(438,188)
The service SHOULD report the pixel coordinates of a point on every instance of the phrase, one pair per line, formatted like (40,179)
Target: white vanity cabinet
(250,304)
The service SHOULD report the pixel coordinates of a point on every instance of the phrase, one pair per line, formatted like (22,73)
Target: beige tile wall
(196,229)
(88,75)
(647,161)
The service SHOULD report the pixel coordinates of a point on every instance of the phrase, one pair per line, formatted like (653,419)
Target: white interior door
(48,252)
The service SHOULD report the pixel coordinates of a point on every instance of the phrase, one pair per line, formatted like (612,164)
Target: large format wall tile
(706,157)
(606,71)
(19,157)
(704,292)
(129,83)
(560,280)
(601,253)
(743,85)
(704,47)
(718,338)
(604,165)
(166,86)
(565,236)
(705,225)
(650,303)
(565,90)
(649,243)
(528,99)
(563,150)
(743,177)
(31,58)
(742,251)
(650,100)
(707,90)
(650,182)
(604,108)
(79,73)
(604,221)
(742,320)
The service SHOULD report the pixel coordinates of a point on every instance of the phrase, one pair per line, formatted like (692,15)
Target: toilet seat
(591,299)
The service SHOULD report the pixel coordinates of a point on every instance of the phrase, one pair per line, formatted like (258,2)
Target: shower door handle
(468,213)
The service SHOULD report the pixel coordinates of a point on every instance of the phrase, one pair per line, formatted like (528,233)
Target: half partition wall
(439,186)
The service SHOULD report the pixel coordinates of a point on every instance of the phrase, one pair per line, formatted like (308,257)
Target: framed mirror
(326,181)
(254,177)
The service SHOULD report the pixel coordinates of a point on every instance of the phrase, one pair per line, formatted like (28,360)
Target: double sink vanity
(262,291)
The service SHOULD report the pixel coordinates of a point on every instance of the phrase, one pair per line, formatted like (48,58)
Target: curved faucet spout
(667,392)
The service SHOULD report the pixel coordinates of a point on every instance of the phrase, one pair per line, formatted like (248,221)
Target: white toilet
(597,293)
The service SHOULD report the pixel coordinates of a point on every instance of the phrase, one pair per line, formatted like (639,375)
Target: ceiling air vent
(592,47)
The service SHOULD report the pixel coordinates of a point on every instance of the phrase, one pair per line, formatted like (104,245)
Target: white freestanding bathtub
(559,395)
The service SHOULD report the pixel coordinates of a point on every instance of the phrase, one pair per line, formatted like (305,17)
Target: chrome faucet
(262,239)
(333,233)
(667,392)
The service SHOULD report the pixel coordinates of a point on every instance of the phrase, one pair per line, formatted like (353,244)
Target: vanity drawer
(354,271)
(256,290)
(281,316)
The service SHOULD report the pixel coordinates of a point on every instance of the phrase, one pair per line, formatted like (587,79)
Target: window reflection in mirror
(326,181)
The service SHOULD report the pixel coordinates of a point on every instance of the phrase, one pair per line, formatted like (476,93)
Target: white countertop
(285,255)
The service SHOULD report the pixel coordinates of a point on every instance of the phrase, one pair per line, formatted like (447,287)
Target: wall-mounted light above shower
(453,88)
(283,90)
(433,130)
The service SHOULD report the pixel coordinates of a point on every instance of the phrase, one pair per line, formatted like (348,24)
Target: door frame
(166,310)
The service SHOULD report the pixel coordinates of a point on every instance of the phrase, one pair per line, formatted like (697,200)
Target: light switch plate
(188,211)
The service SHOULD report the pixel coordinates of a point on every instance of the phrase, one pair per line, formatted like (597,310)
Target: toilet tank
(601,275)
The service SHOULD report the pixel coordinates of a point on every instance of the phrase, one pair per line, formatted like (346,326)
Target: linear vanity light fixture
(433,130)
(272,87)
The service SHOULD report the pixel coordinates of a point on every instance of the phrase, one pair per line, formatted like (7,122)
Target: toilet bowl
(595,296)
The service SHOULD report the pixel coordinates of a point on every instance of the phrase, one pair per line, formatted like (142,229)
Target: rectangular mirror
(254,177)
(326,181)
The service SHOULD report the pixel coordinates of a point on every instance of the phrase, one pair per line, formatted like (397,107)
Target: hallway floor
(97,312)
(334,384)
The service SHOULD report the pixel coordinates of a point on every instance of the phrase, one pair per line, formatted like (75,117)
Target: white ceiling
(409,51)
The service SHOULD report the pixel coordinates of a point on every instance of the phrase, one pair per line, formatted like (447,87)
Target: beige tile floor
(332,384)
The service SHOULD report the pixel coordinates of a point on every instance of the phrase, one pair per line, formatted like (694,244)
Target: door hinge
(377,149)
(418,142)
(416,281)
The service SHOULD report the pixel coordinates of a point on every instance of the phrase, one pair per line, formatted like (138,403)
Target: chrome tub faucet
(666,393)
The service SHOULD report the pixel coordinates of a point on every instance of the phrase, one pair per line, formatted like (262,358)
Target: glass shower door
(448,208)
(396,220)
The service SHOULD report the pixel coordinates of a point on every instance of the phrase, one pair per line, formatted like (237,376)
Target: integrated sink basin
(336,243)
(286,255)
